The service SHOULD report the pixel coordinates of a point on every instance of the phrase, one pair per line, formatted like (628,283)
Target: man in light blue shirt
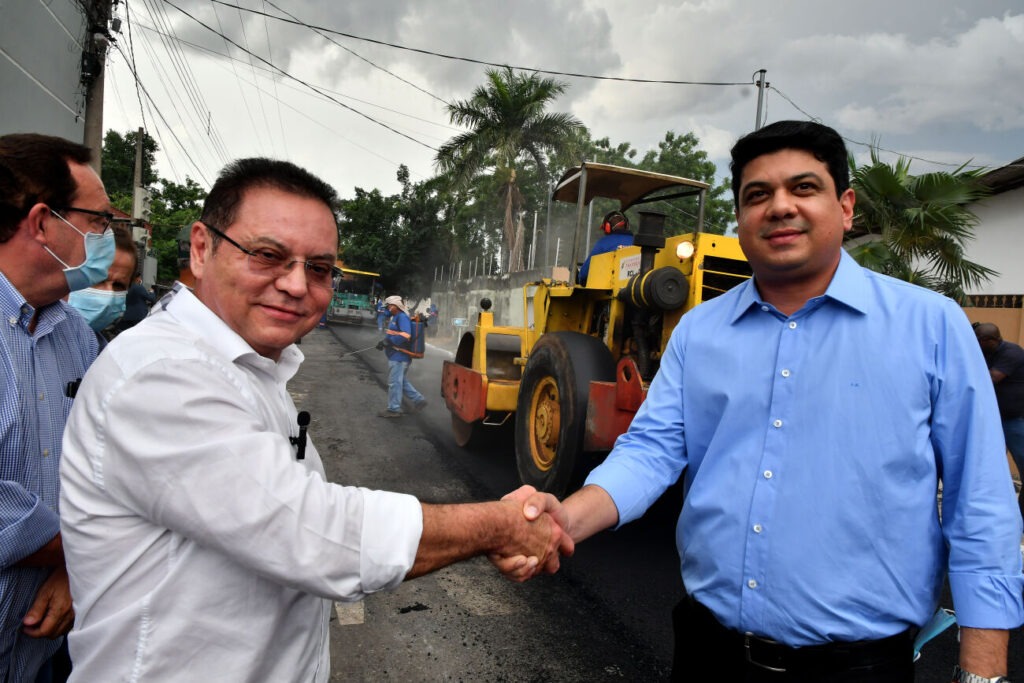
(54,238)
(814,412)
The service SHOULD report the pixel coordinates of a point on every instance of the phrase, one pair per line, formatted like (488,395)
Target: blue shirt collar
(16,310)
(848,288)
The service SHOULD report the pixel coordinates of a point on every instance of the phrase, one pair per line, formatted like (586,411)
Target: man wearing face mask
(103,304)
(54,239)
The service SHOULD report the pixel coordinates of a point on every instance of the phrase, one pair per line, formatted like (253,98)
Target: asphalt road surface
(604,617)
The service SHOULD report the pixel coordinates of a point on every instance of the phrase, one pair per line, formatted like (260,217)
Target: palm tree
(916,228)
(507,124)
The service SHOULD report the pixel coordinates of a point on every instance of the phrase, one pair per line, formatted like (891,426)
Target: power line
(299,80)
(273,79)
(188,82)
(210,51)
(353,53)
(131,51)
(241,93)
(149,98)
(252,67)
(869,145)
(480,61)
(330,129)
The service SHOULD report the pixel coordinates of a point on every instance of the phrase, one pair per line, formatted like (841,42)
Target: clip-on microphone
(300,440)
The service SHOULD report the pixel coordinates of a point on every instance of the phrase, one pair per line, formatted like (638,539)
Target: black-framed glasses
(107,217)
(269,262)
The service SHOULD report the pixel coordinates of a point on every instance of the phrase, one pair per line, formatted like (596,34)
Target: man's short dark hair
(821,141)
(221,206)
(34,169)
(987,331)
(123,241)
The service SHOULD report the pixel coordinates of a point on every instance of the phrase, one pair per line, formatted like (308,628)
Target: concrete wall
(461,298)
(40,68)
(999,241)
(999,244)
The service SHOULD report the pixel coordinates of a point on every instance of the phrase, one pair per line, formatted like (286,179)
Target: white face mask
(99,254)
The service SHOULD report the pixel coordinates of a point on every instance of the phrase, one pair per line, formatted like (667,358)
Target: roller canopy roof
(628,185)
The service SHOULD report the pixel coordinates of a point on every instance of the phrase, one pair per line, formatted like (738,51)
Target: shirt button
(40,396)
(13,321)
(752,584)
(777,423)
(758,528)
(792,325)
(768,474)
(764,308)
(785,373)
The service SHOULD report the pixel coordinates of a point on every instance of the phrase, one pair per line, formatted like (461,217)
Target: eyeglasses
(105,215)
(269,262)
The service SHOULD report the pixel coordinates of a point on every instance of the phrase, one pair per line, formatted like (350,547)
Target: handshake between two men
(544,529)
(523,534)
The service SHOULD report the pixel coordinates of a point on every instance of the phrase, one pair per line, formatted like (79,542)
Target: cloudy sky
(937,80)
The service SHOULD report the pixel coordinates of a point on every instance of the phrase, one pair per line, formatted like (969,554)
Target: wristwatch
(961,676)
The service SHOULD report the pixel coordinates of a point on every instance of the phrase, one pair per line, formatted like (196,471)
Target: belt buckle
(750,660)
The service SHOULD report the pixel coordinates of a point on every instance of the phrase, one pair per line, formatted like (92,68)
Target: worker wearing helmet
(616,234)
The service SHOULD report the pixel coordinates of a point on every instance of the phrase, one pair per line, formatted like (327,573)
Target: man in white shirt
(202,539)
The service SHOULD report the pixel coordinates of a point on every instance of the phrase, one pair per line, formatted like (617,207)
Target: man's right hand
(581,515)
(51,614)
(535,507)
(534,545)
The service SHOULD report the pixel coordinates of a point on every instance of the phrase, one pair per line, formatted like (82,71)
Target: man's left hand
(52,613)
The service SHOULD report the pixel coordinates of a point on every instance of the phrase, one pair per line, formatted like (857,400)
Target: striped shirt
(34,406)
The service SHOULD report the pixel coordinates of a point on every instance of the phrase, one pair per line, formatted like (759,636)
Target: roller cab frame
(569,380)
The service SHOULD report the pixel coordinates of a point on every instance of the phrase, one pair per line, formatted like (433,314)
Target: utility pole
(137,181)
(761,84)
(94,57)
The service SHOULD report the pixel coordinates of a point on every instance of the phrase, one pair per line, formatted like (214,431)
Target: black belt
(826,658)
(770,655)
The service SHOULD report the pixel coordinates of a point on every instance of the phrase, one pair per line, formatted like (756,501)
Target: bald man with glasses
(54,239)
(187,463)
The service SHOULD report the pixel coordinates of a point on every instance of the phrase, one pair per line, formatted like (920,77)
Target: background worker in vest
(616,234)
(397,344)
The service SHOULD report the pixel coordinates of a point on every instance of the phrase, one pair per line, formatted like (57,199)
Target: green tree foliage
(680,155)
(916,228)
(401,236)
(118,162)
(174,205)
(676,154)
(508,124)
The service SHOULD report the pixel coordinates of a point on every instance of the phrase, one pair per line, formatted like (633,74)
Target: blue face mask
(99,254)
(99,307)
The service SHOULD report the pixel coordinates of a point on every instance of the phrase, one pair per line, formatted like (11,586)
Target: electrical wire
(263,110)
(215,53)
(241,93)
(352,52)
(188,82)
(273,79)
(869,145)
(299,80)
(149,98)
(480,61)
(131,51)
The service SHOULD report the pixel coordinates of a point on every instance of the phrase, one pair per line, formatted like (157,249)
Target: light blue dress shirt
(33,411)
(813,447)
